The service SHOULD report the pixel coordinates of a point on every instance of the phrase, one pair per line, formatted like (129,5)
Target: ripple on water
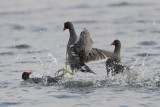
(148,43)
(147,54)
(119,4)
(85,21)
(80,6)
(7,53)
(36,51)
(9,104)
(141,30)
(17,27)
(65,96)
(155,31)
(123,4)
(82,104)
(19,12)
(40,29)
(4,84)
(13,26)
(21,46)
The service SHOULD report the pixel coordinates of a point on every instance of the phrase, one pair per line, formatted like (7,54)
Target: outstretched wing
(83,48)
(98,54)
(84,44)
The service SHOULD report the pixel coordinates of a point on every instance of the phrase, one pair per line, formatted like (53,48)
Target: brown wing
(84,44)
(98,54)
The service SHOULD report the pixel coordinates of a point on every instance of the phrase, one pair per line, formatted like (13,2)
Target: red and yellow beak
(112,43)
(64,29)
(28,72)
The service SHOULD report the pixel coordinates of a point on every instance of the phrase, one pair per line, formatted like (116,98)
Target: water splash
(54,60)
(41,66)
(137,76)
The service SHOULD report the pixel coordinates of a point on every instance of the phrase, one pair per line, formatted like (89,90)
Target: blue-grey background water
(31,39)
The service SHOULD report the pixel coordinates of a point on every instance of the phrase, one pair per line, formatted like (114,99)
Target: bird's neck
(117,51)
(73,36)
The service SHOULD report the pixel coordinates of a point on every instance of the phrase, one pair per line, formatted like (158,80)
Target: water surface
(32,40)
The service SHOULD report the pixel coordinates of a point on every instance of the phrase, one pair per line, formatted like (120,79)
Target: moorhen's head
(116,43)
(67,25)
(117,49)
(25,75)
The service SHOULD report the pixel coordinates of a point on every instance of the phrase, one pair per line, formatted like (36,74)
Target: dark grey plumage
(80,50)
(114,65)
(36,80)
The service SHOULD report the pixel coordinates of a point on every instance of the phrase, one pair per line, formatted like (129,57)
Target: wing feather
(84,44)
(98,54)
(83,47)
